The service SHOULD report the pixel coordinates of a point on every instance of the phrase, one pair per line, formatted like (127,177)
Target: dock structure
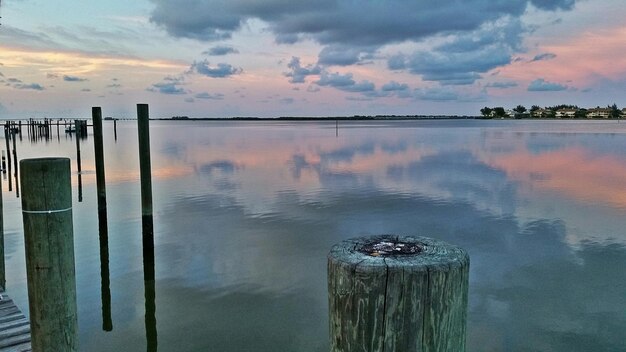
(14,327)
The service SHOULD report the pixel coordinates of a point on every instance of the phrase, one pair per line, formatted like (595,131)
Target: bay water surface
(245,213)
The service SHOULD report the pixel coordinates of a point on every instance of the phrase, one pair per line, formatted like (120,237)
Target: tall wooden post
(107,323)
(143,118)
(17,184)
(115,129)
(2,264)
(96,113)
(143,123)
(49,240)
(397,293)
(7,137)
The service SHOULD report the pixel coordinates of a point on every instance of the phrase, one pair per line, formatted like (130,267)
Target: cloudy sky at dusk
(273,58)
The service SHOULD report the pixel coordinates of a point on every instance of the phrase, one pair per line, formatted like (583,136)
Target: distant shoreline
(314,118)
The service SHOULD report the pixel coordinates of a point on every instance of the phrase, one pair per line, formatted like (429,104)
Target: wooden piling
(115,129)
(96,113)
(147,226)
(143,123)
(6,139)
(48,236)
(2,264)
(77,134)
(397,293)
(105,290)
(15,171)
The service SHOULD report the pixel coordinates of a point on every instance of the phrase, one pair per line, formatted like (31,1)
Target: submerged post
(397,293)
(105,290)
(143,119)
(48,236)
(2,265)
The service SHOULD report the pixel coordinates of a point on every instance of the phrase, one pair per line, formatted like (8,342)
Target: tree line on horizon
(520,111)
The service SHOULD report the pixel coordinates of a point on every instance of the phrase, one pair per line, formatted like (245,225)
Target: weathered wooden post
(49,240)
(397,293)
(115,129)
(6,139)
(96,113)
(2,265)
(4,163)
(17,184)
(143,123)
(107,322)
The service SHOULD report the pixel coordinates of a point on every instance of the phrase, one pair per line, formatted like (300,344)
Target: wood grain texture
(49,245)
(407,303)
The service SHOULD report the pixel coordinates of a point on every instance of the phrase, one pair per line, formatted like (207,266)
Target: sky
(272,58)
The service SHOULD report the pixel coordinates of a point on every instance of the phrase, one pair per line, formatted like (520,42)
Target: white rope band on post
(46,211)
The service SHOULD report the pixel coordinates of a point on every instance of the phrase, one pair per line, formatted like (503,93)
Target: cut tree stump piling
(49,240)
(397,293)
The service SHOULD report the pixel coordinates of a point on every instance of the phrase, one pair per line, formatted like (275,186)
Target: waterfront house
(542,113)
(566,113)
(599,113)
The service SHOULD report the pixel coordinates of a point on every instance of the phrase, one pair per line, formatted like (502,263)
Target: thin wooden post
(143,123)
(397,293)
(2,264)
(105,290)
(4,163)
(96,113)
(77,134)
(143,118)
(115,129)
(49,240)
(15,172)
(7,137)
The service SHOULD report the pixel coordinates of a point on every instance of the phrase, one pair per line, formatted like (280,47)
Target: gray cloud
(554,4)
(67,78)
(344,55)
(436,94)
(336,79)
(205,95)
(394,86)
(298,73)
(220,50)
(482,34)
(346,83)
(462,60)
(368,22)
(397,62)
(541,85)
(222,70)
(170,85)
(502,85)
(401,90)
(33,86)
(544,56)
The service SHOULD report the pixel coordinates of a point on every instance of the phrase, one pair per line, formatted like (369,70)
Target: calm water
(246,212)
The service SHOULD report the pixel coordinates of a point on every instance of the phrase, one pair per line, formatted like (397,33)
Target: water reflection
(250,210)
(105,281)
